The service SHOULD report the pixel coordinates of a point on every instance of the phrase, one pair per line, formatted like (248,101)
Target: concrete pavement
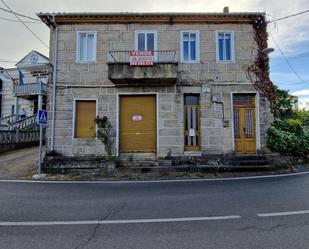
(18,164)
(183,213)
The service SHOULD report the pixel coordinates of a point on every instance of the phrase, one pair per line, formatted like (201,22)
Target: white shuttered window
(86,46)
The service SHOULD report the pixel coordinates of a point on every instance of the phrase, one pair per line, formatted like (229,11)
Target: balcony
(163,71)
(30,90)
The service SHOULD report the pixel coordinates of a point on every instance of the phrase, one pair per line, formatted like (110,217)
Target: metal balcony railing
(160,56)
(30,89)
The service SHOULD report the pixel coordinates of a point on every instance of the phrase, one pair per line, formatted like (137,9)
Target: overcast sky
(290,34)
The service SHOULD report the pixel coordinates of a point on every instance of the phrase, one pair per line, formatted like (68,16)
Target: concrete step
(194,168)
(244,157)
(132,164)
(248,163)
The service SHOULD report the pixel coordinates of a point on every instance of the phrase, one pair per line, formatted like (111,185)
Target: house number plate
(137,117)
(191,133)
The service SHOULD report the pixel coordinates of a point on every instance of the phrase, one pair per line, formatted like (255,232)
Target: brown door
(138,125)
(192,122)
(244,124)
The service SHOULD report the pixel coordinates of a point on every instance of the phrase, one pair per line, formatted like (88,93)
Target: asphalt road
(252,213)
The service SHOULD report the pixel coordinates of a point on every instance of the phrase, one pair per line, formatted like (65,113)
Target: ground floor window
(192,122)
(85,114)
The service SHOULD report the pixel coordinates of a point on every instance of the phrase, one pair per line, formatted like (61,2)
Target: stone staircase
(228,163)
(13,122)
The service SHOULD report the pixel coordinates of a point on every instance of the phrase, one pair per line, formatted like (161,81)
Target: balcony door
(146,40)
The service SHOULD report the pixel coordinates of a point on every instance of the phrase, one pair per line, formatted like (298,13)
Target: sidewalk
(18,164)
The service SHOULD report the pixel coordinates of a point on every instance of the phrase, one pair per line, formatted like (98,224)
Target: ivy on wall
(260,68)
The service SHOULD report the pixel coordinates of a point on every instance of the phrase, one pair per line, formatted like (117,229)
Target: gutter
(54,84)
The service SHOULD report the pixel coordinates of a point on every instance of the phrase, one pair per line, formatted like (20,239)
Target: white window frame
(232,46)
(74,116)
(78,34)
(197,46)
(145,32)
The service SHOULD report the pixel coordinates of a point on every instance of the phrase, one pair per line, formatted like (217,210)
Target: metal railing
(30,89)
(5,121)
(19,136)
(24,123)
(160,56)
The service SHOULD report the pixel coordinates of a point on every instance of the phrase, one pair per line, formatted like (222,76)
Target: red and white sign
(141,58)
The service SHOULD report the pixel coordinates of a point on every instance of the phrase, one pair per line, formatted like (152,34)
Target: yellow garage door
(138,124)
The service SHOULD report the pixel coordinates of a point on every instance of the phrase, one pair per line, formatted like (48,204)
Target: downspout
(54,84)
(214,100)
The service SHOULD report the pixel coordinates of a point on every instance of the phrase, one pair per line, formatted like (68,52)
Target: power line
(25,24)
(286,17)
(8,61)
(11,20)
(286,60)
(21,15)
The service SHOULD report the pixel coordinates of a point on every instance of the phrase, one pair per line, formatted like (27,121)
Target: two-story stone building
(189,94)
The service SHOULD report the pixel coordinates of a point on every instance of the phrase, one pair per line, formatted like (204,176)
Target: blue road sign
(42,117)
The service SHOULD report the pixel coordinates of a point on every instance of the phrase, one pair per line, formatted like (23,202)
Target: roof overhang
(50,19)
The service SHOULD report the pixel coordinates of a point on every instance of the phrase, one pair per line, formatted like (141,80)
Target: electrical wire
(8,61)
(21,15)
(286,17)
(25,24)
(286,60)
(11,20)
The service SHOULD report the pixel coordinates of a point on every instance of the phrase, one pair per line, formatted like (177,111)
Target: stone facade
(209,78)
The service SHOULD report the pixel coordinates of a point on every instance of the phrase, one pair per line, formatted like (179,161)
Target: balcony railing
(160,56)
(28,89)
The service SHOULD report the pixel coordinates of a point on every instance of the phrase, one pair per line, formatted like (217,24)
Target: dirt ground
(18,164)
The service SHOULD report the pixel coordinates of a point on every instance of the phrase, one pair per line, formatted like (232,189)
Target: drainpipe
(54,84)
(214,100)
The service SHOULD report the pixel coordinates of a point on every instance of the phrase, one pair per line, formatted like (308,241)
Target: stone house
(22,99)
(170,83)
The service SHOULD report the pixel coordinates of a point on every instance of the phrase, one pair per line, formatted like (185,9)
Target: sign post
(41,120)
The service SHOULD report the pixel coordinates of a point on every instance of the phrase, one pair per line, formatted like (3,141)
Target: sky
(288,37)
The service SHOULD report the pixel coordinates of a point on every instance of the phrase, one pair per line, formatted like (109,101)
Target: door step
(246,160)
(137,164)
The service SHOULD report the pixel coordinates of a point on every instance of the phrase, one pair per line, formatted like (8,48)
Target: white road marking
(284,213)
(157,181)
(105,222)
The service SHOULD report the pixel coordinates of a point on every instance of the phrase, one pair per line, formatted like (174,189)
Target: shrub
(290,125)
(288,137)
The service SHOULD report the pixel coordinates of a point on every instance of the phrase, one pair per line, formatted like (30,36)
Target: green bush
(289,125)
(288,137)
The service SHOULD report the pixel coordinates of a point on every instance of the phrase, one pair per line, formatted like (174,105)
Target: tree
(283,104)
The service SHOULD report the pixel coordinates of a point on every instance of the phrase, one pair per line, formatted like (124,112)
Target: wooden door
(244,127)
(192,122)
(138,124)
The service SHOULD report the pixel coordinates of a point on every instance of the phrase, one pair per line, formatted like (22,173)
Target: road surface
(242,214)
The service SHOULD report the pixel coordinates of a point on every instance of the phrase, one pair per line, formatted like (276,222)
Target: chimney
(226,10)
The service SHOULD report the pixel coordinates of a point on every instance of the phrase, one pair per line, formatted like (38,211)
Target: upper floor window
(189,45)
(225,46)
(145,40)
(86,46)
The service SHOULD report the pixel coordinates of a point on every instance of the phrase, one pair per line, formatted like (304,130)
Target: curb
(157,181)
